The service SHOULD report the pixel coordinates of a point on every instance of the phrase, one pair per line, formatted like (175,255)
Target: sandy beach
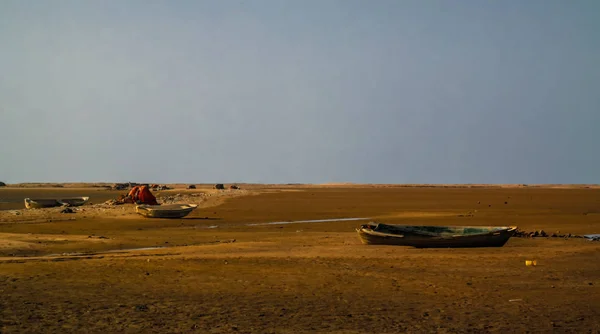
(287,259)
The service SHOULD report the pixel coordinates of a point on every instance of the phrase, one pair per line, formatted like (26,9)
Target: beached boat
(38,203)
(435,236)
(41,203)
(75,201)
(165,211)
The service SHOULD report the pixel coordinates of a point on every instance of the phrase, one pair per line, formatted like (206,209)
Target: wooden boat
(165,211)
(38,203)
(435,236)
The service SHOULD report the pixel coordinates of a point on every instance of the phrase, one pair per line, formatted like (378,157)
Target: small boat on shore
(165,211)
(435,236)
(39,203)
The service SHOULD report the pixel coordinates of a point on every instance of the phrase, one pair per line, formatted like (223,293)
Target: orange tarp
(146,197)
(133,193)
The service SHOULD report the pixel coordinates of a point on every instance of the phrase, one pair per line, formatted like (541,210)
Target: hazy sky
(279,91)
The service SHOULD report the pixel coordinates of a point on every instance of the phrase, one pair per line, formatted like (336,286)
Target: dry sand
(215,272)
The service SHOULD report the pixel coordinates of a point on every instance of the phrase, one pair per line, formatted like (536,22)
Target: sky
(304,91)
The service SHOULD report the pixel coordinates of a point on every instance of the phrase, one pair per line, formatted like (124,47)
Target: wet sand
(239,265)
